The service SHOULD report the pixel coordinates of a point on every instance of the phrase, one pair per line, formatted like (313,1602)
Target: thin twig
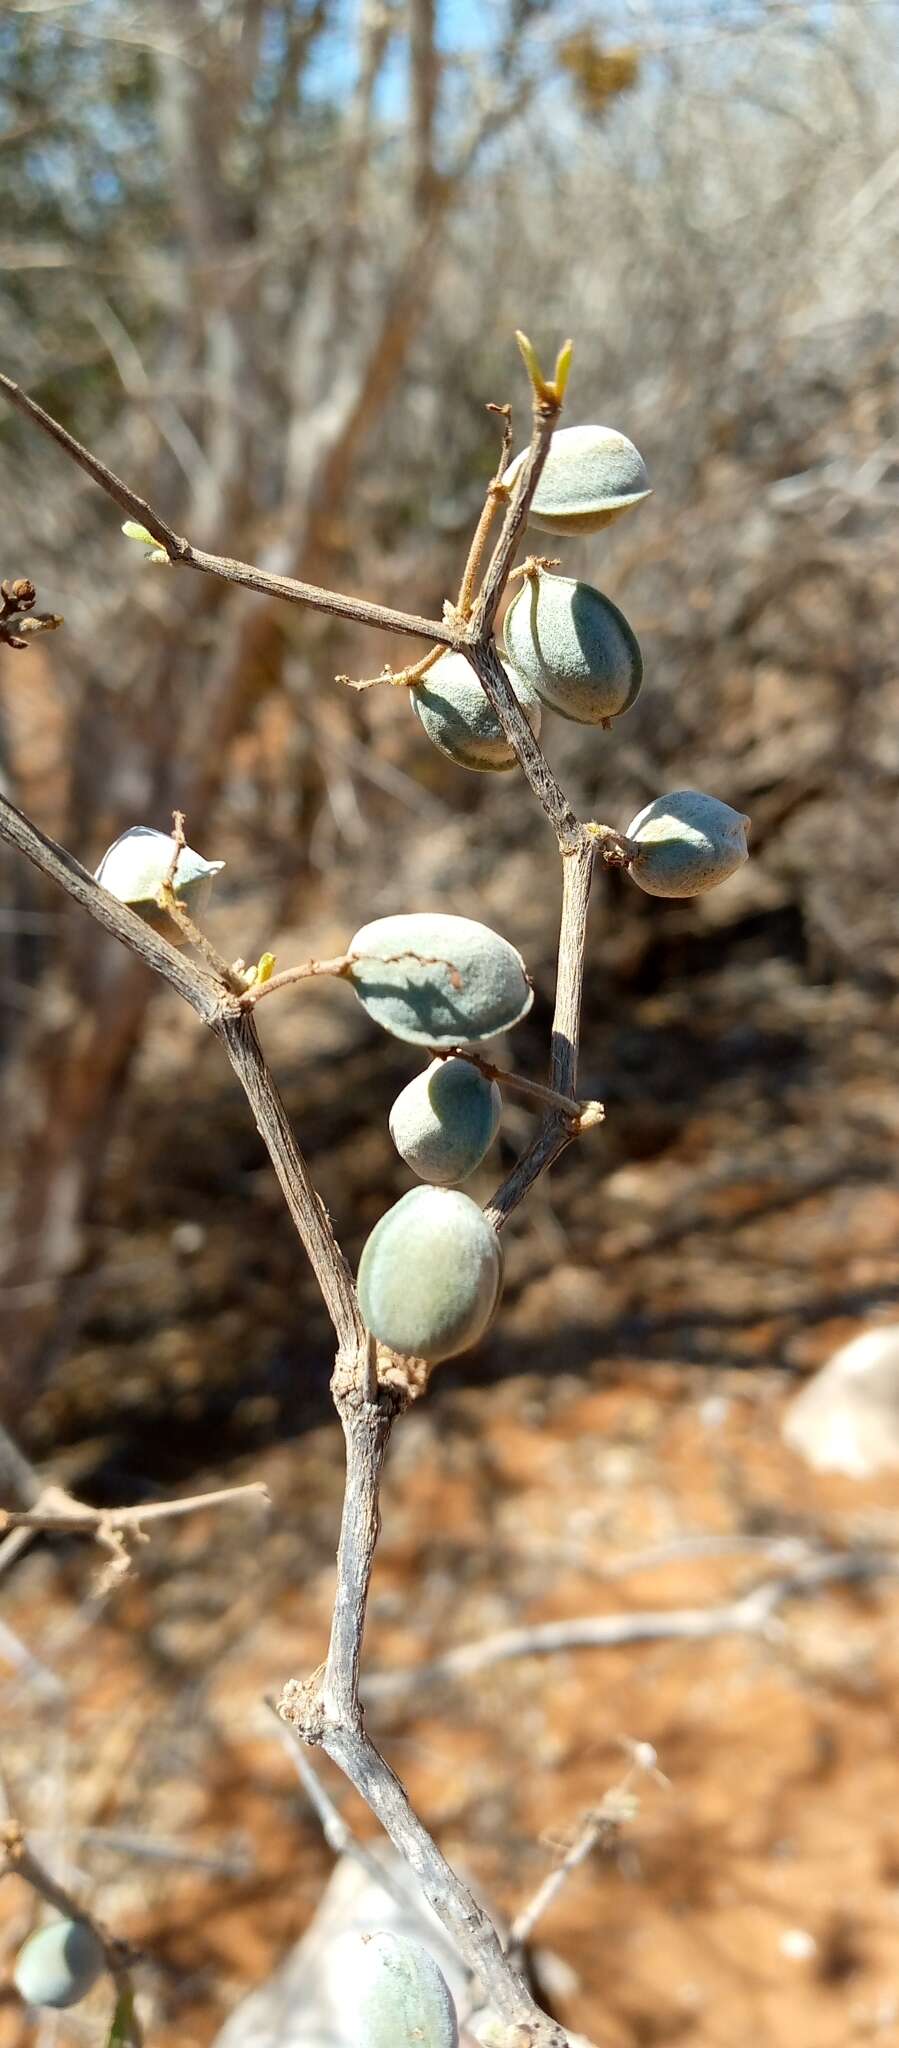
(341,967)
(582,1114)
(556,1130)
(183,555)
(313,1224)
(305,971)
(547,407)
(77,1519)
(176,910)
(58,1513)
(600,1828)
(495,497)
(752,1613)
(336,1830)
(401,678)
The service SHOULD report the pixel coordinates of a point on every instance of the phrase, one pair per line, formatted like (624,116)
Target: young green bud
(445,1120)
(395,1992)
(59,1964)
(591,475)
(574,647)
(454,711)
(434,979)
(135,867)
(687,843)
(430,1274)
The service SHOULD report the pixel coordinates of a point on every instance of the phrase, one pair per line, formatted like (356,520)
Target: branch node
(613,847)
(301,1705)
(590,1114)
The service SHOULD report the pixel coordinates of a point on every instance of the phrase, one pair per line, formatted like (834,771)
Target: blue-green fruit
(456,715)
(135,867)
(430,1274)
(574,647)
(591,475)
(396,1996)
(445,1120)
(687,843)
(58,1965)
(434,979)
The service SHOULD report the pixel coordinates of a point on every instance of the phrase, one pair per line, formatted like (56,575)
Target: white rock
(846,1418)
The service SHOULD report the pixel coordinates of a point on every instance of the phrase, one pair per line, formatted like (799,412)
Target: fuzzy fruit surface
(591,475)
(434,979)
(688,843)
(430,1274)
(135,867)
(59,1965)
(445,1120)
(574,647)
(450,703)
(398,1996)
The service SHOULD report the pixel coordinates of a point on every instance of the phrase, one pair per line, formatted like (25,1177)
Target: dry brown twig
(600,1828)
(326,1709)
(753,1613)
(57,1513)
(583,1116)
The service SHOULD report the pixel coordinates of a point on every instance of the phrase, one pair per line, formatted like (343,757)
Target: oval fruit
(444,1121)
(59,1964)
(434,979)
(574,647)
(687,843)
(451,705)
(591,475)
(430,1274)
(398,1995)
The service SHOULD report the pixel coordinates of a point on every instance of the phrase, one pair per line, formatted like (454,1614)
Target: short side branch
(180,552)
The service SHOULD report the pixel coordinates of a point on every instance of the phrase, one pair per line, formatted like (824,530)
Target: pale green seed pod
(457,717)
(430,1274)
(591,475)
(59,1964)
(434,979)
(687,843)
(135,866)
(445,1120)
(396,1996)
(574,647)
